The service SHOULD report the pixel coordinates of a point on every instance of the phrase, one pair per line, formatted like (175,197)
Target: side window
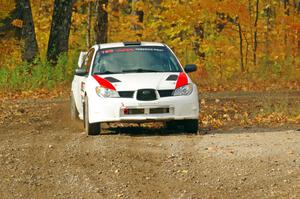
(88,60)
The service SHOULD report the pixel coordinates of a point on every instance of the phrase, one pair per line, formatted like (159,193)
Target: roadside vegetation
(272,109)
(40,74)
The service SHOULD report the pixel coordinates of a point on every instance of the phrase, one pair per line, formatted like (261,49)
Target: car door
(79,82)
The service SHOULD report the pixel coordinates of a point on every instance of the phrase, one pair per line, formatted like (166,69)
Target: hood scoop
(172,78)
(112,80)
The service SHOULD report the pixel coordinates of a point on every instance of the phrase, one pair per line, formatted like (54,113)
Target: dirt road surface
(44,155)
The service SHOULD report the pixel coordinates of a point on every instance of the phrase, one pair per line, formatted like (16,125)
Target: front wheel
(90,128)
(171,125)
(191,126)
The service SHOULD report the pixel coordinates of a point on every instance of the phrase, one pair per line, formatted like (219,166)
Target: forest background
(236,44)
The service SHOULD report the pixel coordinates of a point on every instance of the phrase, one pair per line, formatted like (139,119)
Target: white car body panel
(135,81)
(112,109)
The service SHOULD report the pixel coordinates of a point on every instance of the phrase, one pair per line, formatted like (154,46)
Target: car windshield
(135,60)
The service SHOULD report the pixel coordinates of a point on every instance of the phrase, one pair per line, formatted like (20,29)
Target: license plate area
(127,111)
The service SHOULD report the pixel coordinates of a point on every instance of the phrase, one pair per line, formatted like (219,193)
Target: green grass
(40,74)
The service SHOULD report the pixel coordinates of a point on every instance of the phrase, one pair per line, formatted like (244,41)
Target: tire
(191,126)
(73,110)
(90,128)
(171,126)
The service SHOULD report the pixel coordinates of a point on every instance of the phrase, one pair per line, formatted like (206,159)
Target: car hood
(135,81)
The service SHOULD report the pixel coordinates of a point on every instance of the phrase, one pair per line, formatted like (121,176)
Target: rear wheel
(90,128)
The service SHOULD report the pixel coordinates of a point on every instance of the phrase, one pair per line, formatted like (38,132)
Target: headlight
(184,90)
(106,92)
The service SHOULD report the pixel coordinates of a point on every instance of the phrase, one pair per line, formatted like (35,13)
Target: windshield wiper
(140,70)
(104,73)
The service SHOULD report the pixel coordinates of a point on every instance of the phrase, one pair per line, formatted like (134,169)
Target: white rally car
(133,82)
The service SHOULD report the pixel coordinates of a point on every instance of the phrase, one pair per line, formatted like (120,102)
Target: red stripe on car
(104,83)
(182,80)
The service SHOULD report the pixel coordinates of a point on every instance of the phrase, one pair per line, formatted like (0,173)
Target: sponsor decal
(124,50)
(104,83)
(150,49)
(107,51)
(182,80)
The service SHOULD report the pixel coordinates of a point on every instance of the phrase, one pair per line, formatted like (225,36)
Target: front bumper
(132,110)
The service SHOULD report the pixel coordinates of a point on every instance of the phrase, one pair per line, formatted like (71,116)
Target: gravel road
(44,155)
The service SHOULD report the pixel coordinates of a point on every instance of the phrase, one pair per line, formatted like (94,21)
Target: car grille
(146,95)
(135,111)
(126,94)
(165,93)
(159,110)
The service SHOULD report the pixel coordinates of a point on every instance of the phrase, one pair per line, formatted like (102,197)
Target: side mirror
(190,68)
(81,58)
(80,72)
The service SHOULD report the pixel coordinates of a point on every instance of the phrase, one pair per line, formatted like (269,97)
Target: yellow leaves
(78,4)
(297,119)
(210,121)
(36,94)
(17,23)
(5,7)
(10,49)
(248,112)
(139,6)
(78,18)
(278,118)
(122,1)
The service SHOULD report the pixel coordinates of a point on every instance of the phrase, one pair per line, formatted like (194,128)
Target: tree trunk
(285,39)
(101,25)
(139,13)
(235,21)
(298,12)
(251,32)
(89,21)
(255,33)
(268,29)
(60,29)
(199,33)
(286,4)
(241,48)
(246,68)
(29,42)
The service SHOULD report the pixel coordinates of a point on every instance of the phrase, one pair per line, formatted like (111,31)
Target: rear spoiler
(81,58)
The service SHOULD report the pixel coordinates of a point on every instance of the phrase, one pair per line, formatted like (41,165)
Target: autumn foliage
(236,44)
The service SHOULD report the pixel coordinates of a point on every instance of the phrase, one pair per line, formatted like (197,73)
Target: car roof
(123,44)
